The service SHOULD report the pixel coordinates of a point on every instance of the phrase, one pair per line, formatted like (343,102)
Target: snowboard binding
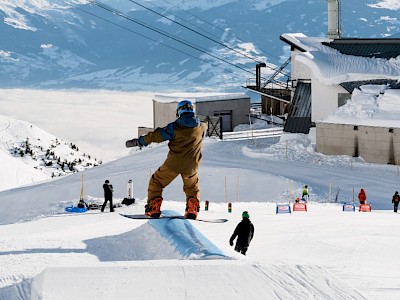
(192,208)
(153,207)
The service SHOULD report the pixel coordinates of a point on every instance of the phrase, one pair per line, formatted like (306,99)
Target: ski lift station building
(232,108)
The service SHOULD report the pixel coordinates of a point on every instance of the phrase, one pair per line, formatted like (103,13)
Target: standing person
(305,194)
(362,197)
(108,195)
(395,201)
(185,136)
(244,232)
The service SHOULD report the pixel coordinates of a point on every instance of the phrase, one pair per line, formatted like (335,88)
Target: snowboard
(144,217)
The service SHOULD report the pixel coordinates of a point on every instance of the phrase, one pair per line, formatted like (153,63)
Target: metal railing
(253,134)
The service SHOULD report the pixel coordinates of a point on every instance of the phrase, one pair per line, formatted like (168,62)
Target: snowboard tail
(144,217)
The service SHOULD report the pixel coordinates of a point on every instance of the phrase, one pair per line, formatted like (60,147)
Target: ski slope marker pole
(81,197)
(226,196)
(130,189)
(237,193)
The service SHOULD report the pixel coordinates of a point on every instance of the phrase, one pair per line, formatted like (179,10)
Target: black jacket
(244,232)
(395,198)
(108,191)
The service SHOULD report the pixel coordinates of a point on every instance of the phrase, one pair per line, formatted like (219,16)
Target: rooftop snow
(331,67)
(198,97)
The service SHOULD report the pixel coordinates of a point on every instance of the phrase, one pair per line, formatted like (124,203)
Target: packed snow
(371,105)
(323,253)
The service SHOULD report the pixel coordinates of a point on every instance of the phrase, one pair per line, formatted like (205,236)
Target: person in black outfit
(395,201)
(244,232)
(82,204)
(108,195)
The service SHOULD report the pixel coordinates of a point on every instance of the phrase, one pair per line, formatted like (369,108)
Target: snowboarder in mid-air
(185,136)
(244,232)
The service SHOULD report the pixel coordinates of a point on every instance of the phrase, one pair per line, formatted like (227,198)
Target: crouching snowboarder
(185,136)
(244,232)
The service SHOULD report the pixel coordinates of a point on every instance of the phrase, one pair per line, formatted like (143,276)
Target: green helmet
(245,214)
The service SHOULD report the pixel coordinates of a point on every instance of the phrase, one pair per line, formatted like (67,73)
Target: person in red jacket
(185,136)
(362,197)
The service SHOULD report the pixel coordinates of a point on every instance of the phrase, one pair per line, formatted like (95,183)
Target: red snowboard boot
(153,207)
(192,208)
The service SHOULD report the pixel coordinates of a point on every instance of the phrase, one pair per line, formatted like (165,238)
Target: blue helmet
(185,106)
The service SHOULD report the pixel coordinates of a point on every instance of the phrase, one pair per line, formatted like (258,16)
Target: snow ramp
(186,239)
(191,279)
(155,239)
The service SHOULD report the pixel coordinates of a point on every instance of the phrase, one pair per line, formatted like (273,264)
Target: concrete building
(224,110)
(374,144)
(233,109)
(352,64)
(324,74)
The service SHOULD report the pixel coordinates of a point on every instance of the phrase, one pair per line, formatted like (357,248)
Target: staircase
(299,116)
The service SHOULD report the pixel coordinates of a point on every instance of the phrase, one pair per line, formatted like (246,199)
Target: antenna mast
(334,19)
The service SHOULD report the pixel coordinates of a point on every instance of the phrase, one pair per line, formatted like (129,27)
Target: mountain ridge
(36,155)
(85,46)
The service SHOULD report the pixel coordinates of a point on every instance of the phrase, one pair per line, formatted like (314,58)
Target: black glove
(133,143)
(231,242)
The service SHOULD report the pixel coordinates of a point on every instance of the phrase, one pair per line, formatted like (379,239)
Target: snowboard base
(144,217)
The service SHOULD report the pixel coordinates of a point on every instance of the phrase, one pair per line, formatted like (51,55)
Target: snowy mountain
(324,253)
(160,45)
(29,154)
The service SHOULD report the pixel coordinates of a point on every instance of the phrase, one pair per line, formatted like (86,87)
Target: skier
(185,136)
(395,201)
(305,193)
(362,197)
(244,232)
(108,195)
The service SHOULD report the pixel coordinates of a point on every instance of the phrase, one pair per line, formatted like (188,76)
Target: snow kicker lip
(186,239)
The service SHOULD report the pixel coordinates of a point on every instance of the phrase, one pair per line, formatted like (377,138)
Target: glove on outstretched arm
(133,143)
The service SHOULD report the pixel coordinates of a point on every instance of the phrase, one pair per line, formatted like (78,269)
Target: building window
(343,98)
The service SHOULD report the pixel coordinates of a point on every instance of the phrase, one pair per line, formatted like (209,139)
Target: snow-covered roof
(198,97)
(331,67)
(302,42)
(371,105)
